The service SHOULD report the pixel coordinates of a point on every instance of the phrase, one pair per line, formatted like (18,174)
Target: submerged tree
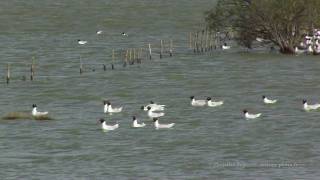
(281,22)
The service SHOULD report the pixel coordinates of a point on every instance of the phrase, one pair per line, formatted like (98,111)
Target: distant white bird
(268,101)
(109,109)
(259,39)
(197,102)
(99,32)
(82,42)
(106,127)
(225,46)
(308,107)
(251,116)
(211,103)
(162,126)
(36,113)
(154,107)
(124,34)
(299,51)
(310,49)
(105,106)
(154,114)
(136,124)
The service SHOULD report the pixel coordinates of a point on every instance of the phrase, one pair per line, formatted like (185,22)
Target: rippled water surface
(206,143)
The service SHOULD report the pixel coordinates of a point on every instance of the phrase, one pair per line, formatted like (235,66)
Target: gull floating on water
(136,124)
(251,116)
(225,46)
(37,113)
(308,107)
(211,103)
(82,42)
(106,127)
(197,102)
(154,114)
(154,107)
(268,101)
(109,109)
(162,126)
(99,32)
(124,34)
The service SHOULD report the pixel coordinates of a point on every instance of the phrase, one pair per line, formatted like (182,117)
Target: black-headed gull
(308,107)
(211,103)
(162,126)
(106,127)
(225,46)
(268,101)
(37,113)
(82,42)
(136,124)
(109,109)
(251,116)
(154,107)
(197,102)
(154,114)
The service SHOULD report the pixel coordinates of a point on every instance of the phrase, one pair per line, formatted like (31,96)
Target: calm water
(206,143)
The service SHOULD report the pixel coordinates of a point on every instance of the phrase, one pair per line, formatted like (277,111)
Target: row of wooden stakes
(32,72)
(128,57)
(203,41)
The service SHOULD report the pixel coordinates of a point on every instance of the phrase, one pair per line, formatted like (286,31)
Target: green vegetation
(283,23)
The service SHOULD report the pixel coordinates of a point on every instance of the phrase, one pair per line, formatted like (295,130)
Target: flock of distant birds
(83,42)
(155,111)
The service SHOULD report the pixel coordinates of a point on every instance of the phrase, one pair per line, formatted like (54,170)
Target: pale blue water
(206,143)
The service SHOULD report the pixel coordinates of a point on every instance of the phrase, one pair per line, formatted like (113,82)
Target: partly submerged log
(24,116)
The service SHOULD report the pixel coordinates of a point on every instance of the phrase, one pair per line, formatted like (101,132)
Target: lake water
(206,143)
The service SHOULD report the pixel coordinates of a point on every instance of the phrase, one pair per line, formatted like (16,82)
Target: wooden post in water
(150,52)
(112,64)
(202,40)
(194,43)
(197,44)
(207,41)
(134,54)
(216,41)
(81,68)
(126,58)
(140,56)
(210,41)
(8,73)
(130,57)
(32,69)
(190,40)
(161,49)
(171,48)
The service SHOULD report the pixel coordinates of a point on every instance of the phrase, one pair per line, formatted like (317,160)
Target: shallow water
(206,143)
